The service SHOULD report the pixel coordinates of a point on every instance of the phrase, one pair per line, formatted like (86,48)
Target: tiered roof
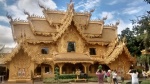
(49,28)
(52,26)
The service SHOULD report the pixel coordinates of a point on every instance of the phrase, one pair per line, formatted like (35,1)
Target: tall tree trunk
(146,66)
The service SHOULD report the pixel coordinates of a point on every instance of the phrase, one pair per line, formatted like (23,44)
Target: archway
(4,71)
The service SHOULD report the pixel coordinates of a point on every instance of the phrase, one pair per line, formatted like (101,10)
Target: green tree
(132,42)
(56,73)
(148,1)
(141,29)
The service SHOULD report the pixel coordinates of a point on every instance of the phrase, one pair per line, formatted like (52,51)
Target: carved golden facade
(53,32)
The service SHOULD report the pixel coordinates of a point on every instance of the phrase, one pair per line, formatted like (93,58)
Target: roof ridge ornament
(104,18)
(26,13)
(92,10)
(9,17)
(118,22)
(71,5)
(41,6)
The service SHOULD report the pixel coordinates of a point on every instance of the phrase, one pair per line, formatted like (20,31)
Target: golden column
(60,68)
(86,67)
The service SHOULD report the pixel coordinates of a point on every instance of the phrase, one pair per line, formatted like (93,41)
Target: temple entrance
(105,67)
(69,68)
(43,68)
(4,72)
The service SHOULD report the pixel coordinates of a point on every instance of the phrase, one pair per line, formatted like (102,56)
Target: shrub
(145,82)
(67,76)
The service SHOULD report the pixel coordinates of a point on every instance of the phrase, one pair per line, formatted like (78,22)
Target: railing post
(0,79)
(3,79)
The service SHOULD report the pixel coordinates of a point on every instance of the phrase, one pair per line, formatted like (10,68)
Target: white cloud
(135,2)
(115,2)
(2,0)
(123,25)
(31,6)
(4,19)
(110,15)
(89,4)
(6,36)
(132,10)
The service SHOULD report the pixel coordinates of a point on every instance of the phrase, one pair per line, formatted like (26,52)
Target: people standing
(109,76)
(100,76)
(134,76)
(114,76)
(144,74)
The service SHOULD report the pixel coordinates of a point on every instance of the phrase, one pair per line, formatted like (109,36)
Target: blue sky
(122,10)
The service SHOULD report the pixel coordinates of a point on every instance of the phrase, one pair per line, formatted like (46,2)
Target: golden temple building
(67,39)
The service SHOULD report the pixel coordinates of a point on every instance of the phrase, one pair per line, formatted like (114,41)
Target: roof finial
(42,6)
(9,17)
(71,1)
(71,5)
(117,23)
(104,18)
(92,10)
(26,13)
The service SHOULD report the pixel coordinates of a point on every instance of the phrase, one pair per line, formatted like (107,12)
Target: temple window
(38,70)
(92,51)
(44,50)
(46,69)
(71,47)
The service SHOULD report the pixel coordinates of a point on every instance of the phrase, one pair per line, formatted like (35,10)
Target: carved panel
(71,35)
(21,66)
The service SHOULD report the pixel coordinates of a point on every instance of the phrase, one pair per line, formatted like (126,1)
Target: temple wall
(20,67)
(122,65)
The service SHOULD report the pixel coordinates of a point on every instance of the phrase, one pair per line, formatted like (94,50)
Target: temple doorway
(4,72)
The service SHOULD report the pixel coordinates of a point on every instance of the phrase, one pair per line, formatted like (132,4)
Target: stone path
(63,83)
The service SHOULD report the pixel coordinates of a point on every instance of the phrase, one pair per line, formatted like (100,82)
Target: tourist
(108,74)
(114,76)
(100,75)
(144,74)
(134,76)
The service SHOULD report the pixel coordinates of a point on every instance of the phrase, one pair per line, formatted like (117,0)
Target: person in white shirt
(134,76)
(114,76)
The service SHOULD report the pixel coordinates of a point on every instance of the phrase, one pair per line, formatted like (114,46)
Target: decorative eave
(117,51)
(98,43)
(9,57)
(65,22)
(72,58)
(98,59)
(93,35)
(73,62)
(111,47)
(38,42)
(112,26)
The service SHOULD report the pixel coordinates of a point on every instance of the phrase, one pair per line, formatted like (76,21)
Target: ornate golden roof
(54,24)
(72,58)
(118,50)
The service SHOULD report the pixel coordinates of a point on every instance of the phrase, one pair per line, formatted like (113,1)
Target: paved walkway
(63,83)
